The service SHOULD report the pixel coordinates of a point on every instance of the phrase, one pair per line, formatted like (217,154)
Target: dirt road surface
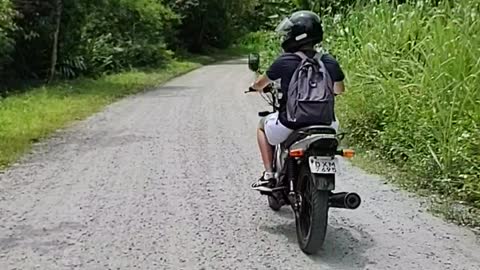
(161,180)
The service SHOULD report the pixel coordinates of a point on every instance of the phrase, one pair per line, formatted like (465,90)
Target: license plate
(322,165)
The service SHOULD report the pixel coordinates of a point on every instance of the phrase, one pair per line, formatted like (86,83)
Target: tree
(6,27)
(58,16)
(210,22)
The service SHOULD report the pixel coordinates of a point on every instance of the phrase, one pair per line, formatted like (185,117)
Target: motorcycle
(306,165)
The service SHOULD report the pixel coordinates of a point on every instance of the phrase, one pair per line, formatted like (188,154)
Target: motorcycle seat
(306,131)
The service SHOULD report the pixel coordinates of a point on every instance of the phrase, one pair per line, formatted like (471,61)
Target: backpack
(311,98)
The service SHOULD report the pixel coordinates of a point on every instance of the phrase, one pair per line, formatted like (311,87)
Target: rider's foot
(265,183)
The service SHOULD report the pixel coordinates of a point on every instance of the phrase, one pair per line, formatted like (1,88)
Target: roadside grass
(32,115)
(453,210)
(413,96)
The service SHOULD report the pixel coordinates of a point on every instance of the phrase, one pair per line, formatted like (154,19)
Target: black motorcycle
(306,165)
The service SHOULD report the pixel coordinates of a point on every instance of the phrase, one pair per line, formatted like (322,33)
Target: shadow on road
(238,61)
(344,247)
(39,238)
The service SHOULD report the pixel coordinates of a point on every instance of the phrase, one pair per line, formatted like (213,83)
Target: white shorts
(277,133)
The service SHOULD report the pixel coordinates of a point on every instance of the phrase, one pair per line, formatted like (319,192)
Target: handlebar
(267,89)
(271,99)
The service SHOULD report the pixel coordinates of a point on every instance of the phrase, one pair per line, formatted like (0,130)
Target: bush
(414,77)
(119,34)
(96,36)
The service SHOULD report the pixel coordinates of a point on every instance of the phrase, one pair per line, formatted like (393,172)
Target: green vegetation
(42,41)
(413,70)
(414,89)
(6,27)
(413,75)
(28,117)
(51,41)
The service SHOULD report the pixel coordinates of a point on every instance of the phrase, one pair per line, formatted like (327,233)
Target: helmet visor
(284,26)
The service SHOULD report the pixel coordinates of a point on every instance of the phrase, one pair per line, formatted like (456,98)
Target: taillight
(297,153)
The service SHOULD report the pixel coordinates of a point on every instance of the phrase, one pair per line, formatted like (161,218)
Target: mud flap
(323,181)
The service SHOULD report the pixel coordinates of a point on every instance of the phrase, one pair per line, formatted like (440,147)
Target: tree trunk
(58,17)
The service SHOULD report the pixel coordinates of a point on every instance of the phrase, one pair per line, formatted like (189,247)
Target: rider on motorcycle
(301,32)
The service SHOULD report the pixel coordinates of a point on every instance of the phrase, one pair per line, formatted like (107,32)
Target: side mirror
(254,62)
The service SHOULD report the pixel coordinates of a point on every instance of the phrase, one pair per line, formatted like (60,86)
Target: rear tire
(312,217)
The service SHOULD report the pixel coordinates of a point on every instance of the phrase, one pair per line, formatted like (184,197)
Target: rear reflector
(348,153)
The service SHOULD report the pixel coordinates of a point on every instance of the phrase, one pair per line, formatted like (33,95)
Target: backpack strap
(301,55)
(323,68)
(319,56)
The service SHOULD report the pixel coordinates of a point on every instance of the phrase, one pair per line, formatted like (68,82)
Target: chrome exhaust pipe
(344,200)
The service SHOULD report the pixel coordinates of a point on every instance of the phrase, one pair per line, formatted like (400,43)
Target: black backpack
(311,98)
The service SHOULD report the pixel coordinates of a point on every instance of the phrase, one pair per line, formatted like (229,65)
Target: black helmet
(301,28)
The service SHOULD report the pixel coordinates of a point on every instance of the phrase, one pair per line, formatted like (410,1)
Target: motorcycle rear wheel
(312,216)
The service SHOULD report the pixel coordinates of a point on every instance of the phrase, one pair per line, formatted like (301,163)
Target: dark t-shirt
(283,69)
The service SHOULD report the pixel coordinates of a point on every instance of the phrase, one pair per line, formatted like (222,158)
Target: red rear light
(297,153)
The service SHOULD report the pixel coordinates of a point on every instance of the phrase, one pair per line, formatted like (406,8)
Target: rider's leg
(270,132)
(266,150)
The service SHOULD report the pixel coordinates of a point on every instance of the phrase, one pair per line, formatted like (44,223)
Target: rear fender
(307,141)
(320,181)
(324,181)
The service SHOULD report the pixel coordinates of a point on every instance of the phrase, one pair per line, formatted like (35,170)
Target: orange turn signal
(297,153)
(348,153)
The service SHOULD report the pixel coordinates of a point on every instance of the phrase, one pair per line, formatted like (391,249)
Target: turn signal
(348,153)
(297,153)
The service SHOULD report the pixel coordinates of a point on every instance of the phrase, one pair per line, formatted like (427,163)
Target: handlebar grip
(267,89)
(250,90)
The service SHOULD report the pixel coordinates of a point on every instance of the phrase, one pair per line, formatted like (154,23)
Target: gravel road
(161,180)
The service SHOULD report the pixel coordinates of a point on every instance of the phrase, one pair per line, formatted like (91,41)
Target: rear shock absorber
(292,174)
(291,168)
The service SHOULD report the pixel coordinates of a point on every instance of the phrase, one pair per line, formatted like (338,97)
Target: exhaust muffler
(345,200)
